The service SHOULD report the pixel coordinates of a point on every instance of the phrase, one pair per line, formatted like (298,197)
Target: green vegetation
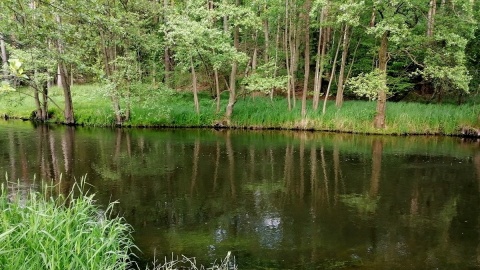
(153,61)
(66,232)
(170,109)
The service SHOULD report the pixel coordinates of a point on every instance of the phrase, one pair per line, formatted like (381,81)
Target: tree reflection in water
(276,199)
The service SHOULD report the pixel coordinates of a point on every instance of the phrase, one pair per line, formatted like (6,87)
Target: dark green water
(277,200)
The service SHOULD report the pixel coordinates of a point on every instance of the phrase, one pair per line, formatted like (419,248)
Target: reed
(42,231)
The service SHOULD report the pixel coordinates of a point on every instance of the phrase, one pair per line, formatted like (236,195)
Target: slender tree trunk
(341,77)
(431,17)
(287,57)
(63,71)
(317,86)
(267,41)
(59,77)
(3,51)
(217,89)
(166,54)
(232,99)
(307,59)
(277,42)
(332,75)
(38,105)
(255,53)
(194,84)
(379,121)
(45,101)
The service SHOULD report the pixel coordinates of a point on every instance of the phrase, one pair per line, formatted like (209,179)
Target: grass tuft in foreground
(228,263)
(41,231)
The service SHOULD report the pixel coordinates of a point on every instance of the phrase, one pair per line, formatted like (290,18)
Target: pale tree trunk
(194,84)
(341,76)
(68,113)
(59,77)
(45,101)
(232,99)
(63,72)
(319,62)
(3,51)
(379,121)
(431,17)
(307,59)
(217,89)
(287,57)
(166,54)
(255,52)
(277,42)
(332,75)
(267,41)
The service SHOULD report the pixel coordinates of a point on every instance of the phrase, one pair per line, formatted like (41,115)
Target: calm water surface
(277,200)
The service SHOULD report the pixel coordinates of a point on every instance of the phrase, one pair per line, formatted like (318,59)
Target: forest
(303,52)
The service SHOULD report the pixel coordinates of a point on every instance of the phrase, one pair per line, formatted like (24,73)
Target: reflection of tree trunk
(68,142)
(251,151)
(217,165)
(302,169)
(477,167)
(414,201)
(53,154)
(231,163)
(336,168)
(118,144)
(196,154)
(313,173)
(324,168)
(377,149)
(12,155)
(287,169)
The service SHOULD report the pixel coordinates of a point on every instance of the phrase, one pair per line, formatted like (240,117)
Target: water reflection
(276,199)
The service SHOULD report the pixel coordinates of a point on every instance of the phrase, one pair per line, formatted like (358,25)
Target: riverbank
(165,108)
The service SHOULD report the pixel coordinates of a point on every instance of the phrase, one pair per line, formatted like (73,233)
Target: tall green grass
(41,231)
(157,107)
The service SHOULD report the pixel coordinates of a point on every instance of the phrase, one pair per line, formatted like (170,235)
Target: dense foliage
(422,50)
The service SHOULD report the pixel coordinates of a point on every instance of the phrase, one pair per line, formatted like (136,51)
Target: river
(275,199)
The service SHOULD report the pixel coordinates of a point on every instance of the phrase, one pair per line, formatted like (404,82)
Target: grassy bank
(156,108)
(66,232)
(44,230)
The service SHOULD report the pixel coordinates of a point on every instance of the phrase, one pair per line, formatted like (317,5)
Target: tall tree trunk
(63,71)
(341,77)
(217,89)
(379,121)
(166,53)
(307,59)
(194,85)
(319,62)
(287,57)
(267,40)
(332,75)
(38,105)
(59,77)
(431,17)
(232,99)
(3,51)
(45,101)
